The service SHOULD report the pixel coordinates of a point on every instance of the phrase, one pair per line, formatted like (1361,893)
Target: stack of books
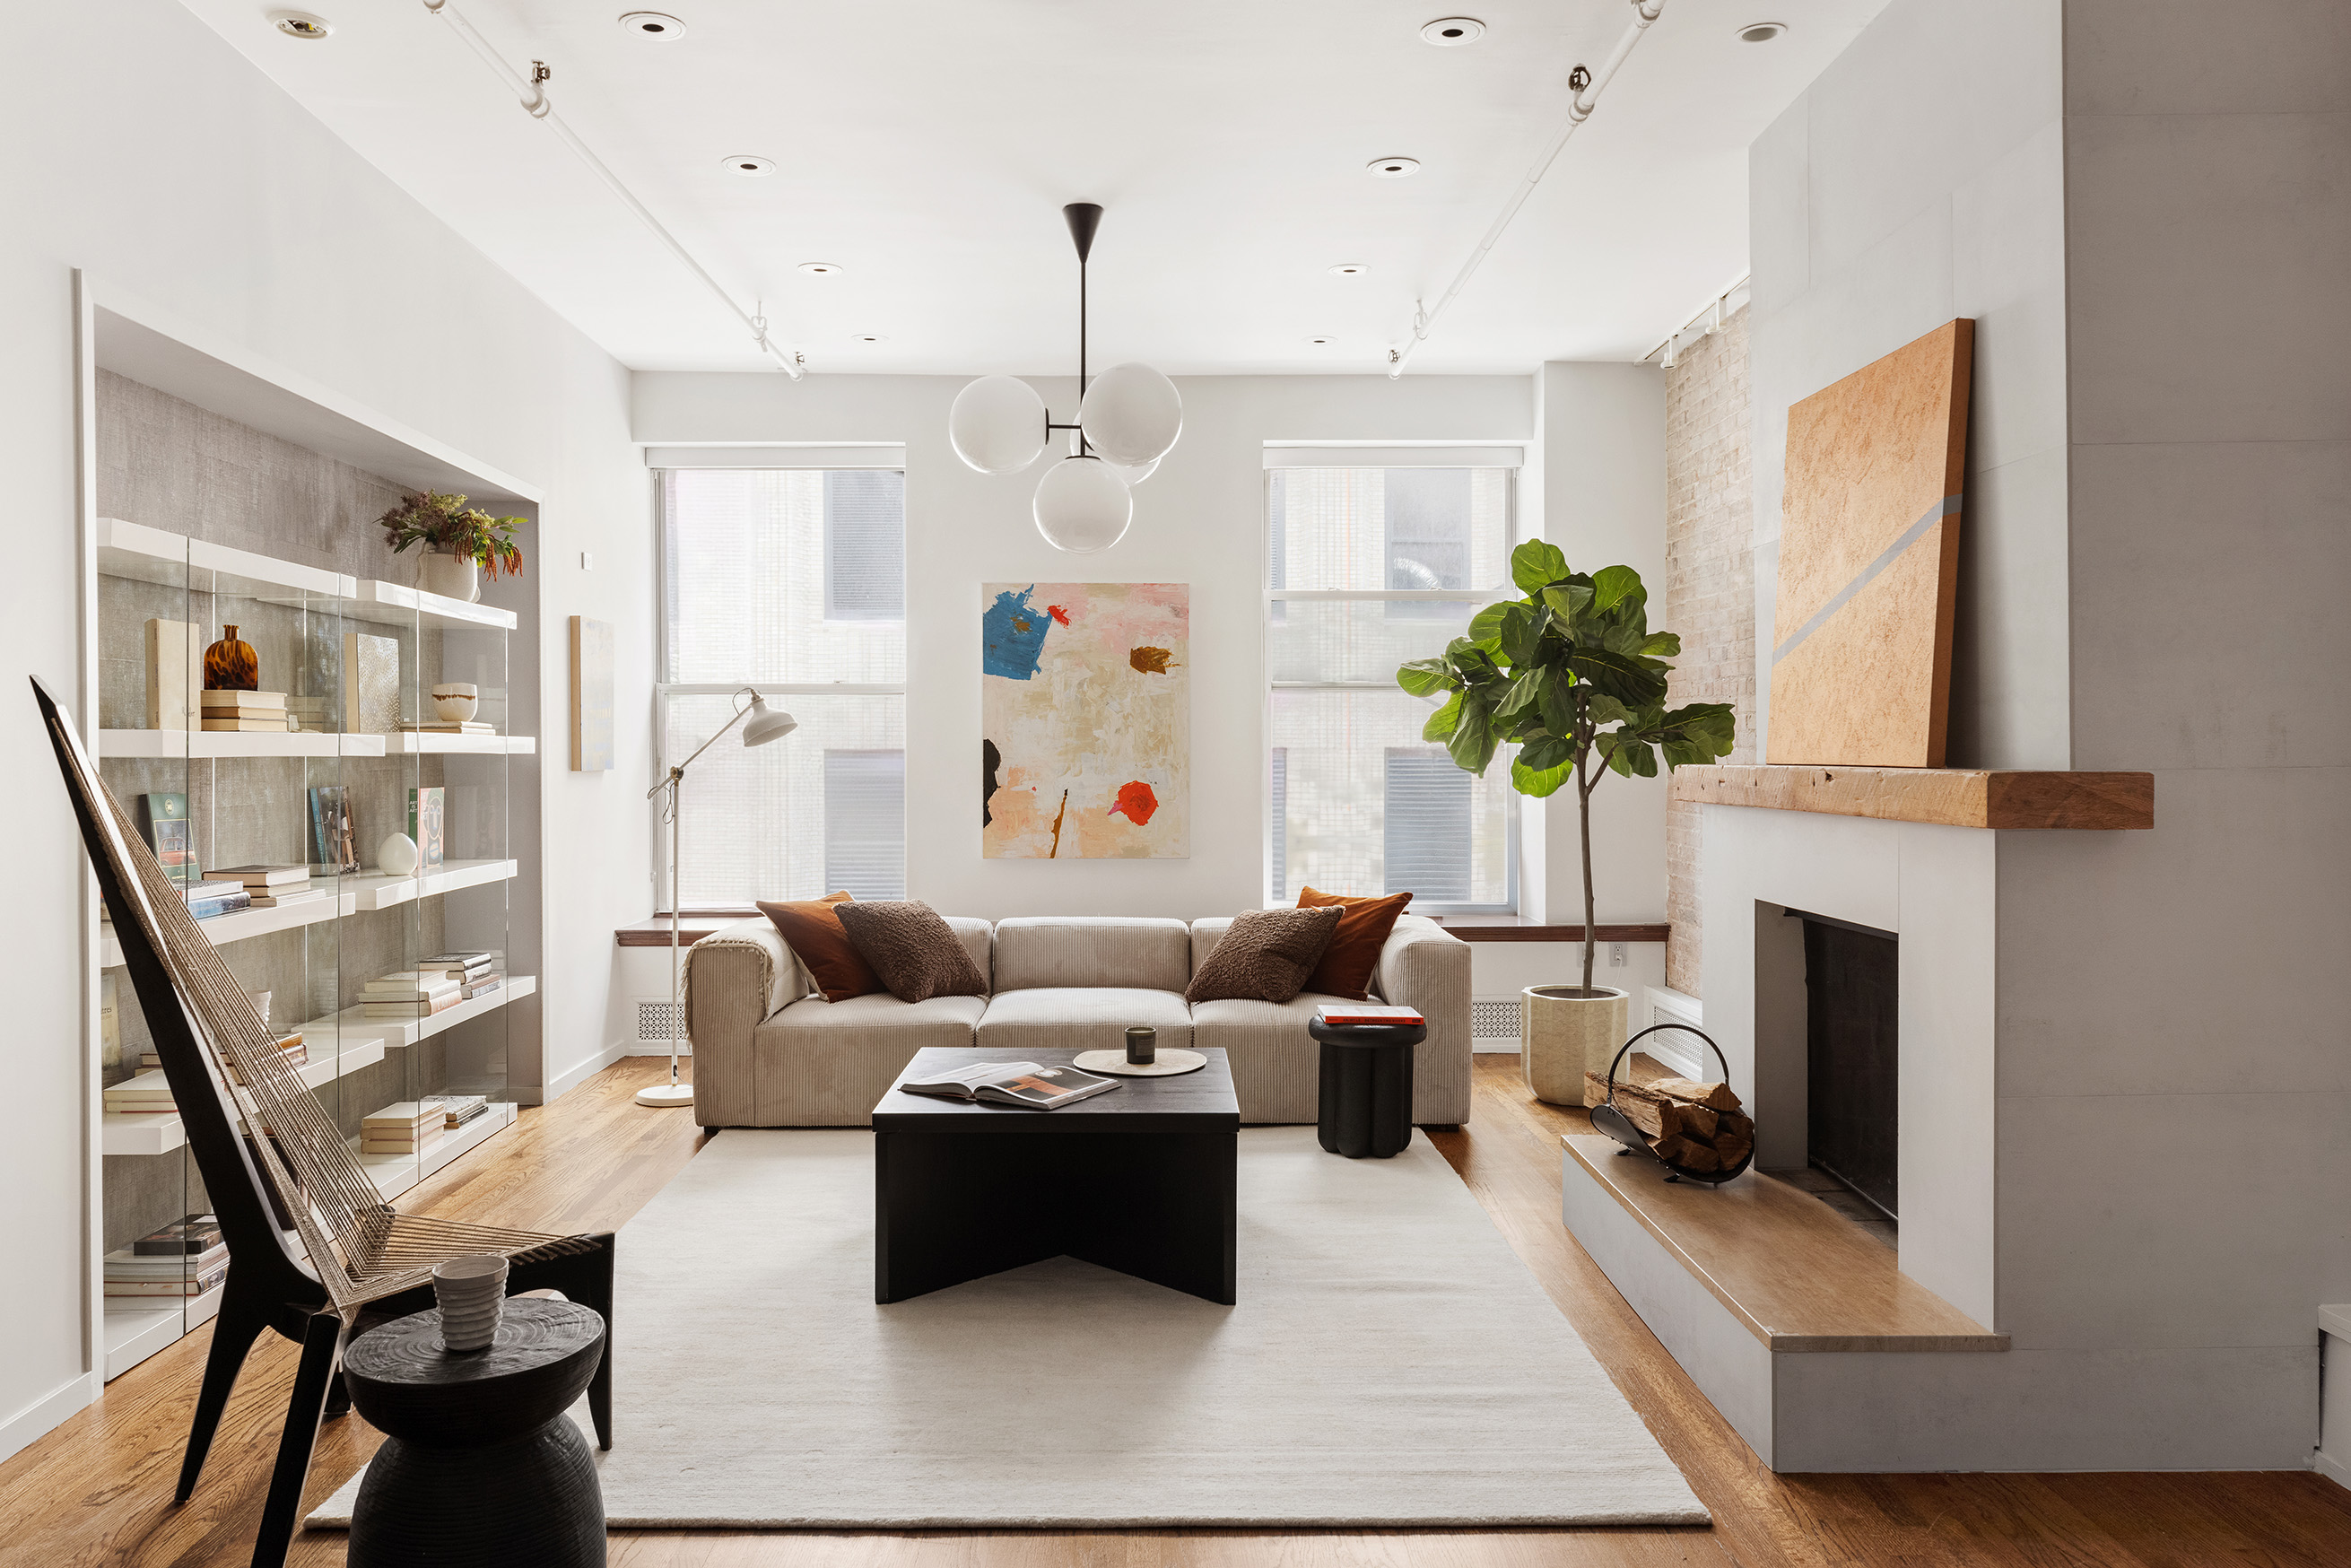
(142,1095)
(457,1110)
(263,712)
(411,993)
(310,713)
(210,896)
(272,886)
(470,726)
(186,1258)
(407,1127)
(1357,1015)
(472,972)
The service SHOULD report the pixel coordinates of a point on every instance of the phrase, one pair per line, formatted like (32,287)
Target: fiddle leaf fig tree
(1573,677)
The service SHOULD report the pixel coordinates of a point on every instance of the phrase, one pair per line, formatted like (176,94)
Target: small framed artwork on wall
(591,694)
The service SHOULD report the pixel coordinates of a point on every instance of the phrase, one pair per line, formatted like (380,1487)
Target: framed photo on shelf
(163,823)
(334,845)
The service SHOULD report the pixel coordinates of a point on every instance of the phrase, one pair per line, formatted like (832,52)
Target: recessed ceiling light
(1451,32)
(750,168)
(1393,168)
(820,268)
(1761,32)
(867,338)
(657,25)
(301,24)
(1352,268)
(1322,342)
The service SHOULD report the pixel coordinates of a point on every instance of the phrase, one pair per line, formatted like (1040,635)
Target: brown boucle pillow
(916,955)
(1265,956)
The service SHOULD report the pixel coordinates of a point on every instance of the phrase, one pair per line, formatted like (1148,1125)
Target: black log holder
(1607,1119)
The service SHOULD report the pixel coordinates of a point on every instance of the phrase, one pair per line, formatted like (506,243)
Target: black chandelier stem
(1084,218)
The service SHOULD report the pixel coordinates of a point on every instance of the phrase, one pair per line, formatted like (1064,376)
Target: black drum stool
(480,1467)
(1365,1108)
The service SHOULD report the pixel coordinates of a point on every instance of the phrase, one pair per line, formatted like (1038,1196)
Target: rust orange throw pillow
(1355,951)
(813,932)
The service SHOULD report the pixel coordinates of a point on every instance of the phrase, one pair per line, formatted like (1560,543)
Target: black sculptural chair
(314,1250)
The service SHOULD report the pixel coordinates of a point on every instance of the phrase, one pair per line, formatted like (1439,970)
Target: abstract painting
(1085,720)
(591,694)
(1869,561)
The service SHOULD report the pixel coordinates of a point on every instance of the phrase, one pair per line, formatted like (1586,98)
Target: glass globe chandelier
(1128,418)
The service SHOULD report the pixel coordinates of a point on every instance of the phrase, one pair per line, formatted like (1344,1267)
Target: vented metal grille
(1495,1020)
(654,1021)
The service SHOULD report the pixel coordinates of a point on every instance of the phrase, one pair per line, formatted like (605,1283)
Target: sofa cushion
(916,955)
(1081,1018)
(822,948)
(1034,950)
(1354,953)
(1265,956)
(1276,1064)
(824,1064)
(980,941)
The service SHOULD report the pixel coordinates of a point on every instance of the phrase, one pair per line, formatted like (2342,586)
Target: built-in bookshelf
(171,569)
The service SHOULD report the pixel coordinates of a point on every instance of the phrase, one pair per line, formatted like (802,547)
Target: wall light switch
(1615,955)
(586,561)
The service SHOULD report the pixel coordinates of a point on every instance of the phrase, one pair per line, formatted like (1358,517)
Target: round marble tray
(1171,1064)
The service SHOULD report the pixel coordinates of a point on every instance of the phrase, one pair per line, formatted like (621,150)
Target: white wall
(1199,520)
(1921,177)
(155,156)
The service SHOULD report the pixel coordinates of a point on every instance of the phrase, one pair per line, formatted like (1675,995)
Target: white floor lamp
(766,725)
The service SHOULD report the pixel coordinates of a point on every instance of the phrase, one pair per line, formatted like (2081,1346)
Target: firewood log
(1696,1122)
(1713,1096)
(1732,1147)
(1696,1157)
(1672,1148)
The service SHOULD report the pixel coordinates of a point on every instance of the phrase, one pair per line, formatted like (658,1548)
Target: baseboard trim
(2333,1469)
(572,1077)
(45,1414)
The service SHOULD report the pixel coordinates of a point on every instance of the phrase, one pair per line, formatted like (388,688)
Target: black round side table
(1365,1107)
(480,1466)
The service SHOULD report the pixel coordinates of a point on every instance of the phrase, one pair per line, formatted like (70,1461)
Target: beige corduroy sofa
(769,1051)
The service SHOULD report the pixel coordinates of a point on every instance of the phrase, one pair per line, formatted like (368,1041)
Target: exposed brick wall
(1710,595)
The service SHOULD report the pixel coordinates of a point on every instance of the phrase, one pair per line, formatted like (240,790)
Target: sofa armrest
(1424,966)
(737,978)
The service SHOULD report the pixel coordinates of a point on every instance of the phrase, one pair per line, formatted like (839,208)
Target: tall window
(794,582)
(1365,569)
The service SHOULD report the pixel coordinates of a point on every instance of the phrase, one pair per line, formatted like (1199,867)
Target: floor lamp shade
(766,723)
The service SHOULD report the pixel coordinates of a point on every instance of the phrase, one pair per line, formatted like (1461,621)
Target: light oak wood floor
(98,1490)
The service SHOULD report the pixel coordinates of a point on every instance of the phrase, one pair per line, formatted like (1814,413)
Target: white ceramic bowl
(455,701)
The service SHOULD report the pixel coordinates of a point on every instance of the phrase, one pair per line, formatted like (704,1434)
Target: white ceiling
(927,146)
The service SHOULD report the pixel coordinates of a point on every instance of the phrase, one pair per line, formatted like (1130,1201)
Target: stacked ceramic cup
(471,1291)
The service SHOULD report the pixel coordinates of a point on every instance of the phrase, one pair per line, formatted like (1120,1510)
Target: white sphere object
(1132,415)
(998,424)
(1137,474)
(396,856)
(1082,506)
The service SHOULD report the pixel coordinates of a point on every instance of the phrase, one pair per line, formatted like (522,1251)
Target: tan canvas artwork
(371,684)
(1869,546)
(1085,720)
(591,694)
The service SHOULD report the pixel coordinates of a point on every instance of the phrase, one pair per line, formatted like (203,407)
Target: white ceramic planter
(1565,1033)
(437,571)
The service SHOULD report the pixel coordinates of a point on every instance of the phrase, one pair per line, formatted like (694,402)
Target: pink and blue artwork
(1085,720)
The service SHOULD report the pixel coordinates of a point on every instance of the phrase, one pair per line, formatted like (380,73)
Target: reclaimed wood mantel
(1954,797)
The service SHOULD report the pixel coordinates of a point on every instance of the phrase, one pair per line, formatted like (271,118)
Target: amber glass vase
(230,666)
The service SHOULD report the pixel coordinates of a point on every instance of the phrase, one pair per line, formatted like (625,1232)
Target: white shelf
(398,1034)
(398,606)
(139,1326)
(345,895)
(411,743)
(223,743)
(151,555)
(154,1132)
(395,1174)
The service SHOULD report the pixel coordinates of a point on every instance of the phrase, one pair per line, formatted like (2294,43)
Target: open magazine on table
(1026,1083)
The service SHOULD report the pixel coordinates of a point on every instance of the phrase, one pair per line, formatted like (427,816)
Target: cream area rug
(1391,1363)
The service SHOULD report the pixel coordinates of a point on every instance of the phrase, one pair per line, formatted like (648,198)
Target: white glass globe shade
(1082,506)
(1134,476)
(1132,415)
(998,424)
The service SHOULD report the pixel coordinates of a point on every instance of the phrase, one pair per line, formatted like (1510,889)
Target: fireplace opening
(1852,1062)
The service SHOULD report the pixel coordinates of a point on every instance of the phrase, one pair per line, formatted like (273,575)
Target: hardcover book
(196,1234)
(334,845)
(424,825)
(1013,1084)
(371,684)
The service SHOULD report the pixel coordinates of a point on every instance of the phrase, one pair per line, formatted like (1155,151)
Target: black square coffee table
(1140,1180)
